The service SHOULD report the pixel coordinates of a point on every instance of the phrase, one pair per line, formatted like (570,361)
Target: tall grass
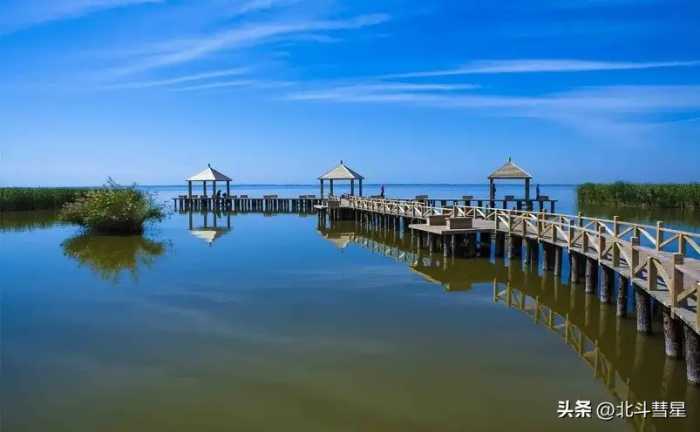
(18,199)
(682,196)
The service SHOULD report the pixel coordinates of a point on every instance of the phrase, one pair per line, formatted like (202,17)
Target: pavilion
(509,171)
(209,175)
(341,172)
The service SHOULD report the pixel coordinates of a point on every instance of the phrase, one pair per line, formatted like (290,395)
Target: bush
(113,209)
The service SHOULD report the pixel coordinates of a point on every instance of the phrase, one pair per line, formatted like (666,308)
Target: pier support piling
(643,308)
(692,355)
(673,339)
(591,275)
(607,283)
(621,305)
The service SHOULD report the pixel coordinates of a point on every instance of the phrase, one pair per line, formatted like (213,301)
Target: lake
(276,323)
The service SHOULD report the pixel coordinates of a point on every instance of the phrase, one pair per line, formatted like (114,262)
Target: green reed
(18,199)
(681,196)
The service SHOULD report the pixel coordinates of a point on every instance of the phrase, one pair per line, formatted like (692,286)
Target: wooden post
(607,283)
(527,192)
(352,187)
(500,243)
(673,339)
(692,355)
(321,180)
(621,305)
(591,275)
(557,260)
(643,306)
(575,264)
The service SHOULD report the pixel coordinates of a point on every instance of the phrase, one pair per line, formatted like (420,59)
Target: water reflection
(109,256)
(687,220)
(27,220)
(209,226)
(631,366)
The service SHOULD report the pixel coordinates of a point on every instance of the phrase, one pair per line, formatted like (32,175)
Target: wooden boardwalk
(664,262)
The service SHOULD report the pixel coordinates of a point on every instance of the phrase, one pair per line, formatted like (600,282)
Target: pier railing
(661,260)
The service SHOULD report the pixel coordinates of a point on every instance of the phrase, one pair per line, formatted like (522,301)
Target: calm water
(272,323)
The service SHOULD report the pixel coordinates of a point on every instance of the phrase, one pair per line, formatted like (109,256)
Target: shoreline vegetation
(684,196)
(113,209)
(38,198)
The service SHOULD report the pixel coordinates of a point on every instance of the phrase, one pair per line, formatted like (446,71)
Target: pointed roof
(510,171)
(341,172)
(209,174)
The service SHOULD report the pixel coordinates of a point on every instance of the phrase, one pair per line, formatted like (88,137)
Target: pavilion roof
(341,172)
(510,170)
(209,174)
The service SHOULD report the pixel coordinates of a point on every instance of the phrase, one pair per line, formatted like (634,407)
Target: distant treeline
(683,196)
(12,199)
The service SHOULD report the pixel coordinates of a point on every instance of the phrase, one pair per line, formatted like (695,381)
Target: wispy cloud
(251,6)
(377,91)
(218,84)
(243,36)
(250,83)
(542,65)
(180,79)
(605,110)
(20,14)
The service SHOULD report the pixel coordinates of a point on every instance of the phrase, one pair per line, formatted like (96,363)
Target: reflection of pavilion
(341,239)
(213,226)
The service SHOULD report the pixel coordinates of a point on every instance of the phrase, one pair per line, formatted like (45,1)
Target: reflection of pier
(659,267)
(627,363)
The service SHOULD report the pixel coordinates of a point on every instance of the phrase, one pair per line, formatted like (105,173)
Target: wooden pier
(244,203)
(658,265)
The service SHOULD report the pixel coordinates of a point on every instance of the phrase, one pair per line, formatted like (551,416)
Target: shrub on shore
(113,209)
(682,196)
(21,199)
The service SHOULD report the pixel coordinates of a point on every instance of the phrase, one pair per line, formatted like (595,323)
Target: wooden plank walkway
(664,262)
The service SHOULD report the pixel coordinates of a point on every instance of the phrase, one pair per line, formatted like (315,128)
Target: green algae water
(251,322)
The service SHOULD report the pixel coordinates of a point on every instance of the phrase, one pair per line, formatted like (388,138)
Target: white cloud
(180,79)
(20,14)
(603,111)
(543,65)
(242,36)
(377,91)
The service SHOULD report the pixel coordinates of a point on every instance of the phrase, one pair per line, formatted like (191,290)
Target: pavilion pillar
(360,187)
(321,180)
(331,187)
(189,189)
(352,186)
(204,187)
(213,190)
(492,194)
(527,192)
(228,188)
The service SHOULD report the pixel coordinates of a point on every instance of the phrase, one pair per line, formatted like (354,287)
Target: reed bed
(622,194)
(20,199)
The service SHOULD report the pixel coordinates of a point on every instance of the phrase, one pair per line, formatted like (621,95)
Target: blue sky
(278,91)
